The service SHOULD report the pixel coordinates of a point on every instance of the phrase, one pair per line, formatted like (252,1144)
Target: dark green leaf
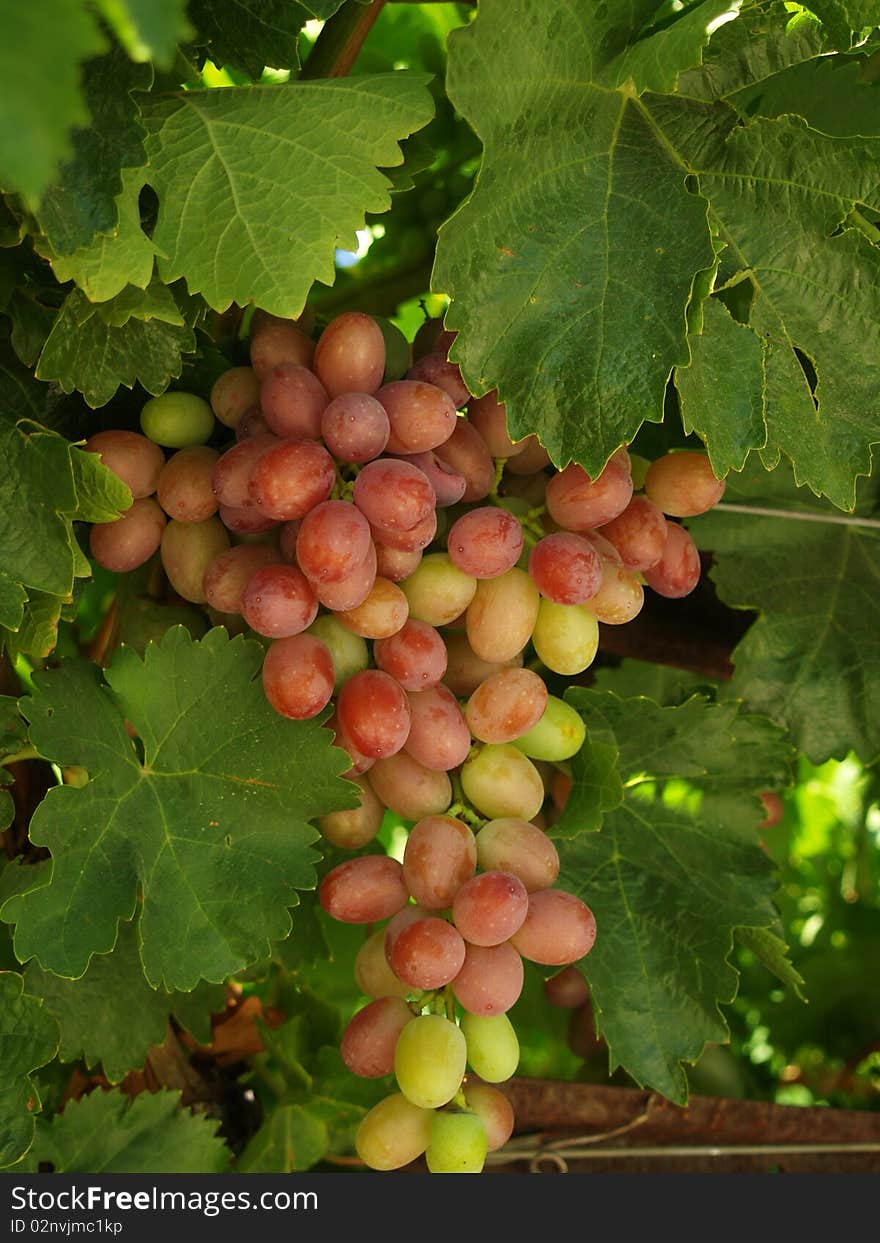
(28,1039)
(250,34)
(148,29)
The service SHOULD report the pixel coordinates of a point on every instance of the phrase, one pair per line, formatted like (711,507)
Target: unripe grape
(356,827)
(558,735)
(566,637)
(176,420)
(429,1061)
(393,1133)
(502,615)
(492,1046)
(437,591)
(501,781)
(458,1144)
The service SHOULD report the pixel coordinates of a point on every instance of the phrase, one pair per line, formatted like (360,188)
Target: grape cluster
(400,559)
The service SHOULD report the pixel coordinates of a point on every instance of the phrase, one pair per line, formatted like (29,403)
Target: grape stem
(449,1003)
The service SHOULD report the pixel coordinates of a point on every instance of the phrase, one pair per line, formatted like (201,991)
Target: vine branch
(337,46)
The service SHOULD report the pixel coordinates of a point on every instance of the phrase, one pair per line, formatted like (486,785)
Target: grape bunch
(412,569)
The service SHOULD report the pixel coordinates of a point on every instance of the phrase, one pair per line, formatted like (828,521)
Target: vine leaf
(41,58)
(28,1039)
(110,1133)
(258,187)
(111,1016)
(675,870)
(811,661)
(148,29)
(250,34)
(204,834)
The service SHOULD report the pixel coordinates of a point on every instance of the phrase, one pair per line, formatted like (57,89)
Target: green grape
(349,652)
(500,781)
(176,420)
(566,637)
(458,1144)
(429,1060)
(492,1046)
(557,736)
(393,1133)
(398,354)
(438,591)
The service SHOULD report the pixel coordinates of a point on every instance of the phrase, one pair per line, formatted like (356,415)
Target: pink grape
(372,973)
(374,712)
(557,929)
(465,670)
(408,788)
(683,484)
(333,540)
(290,478)
(494,1111)
(489,417)
(422,416)
(396,564)
(510,844)
(490,908)
(506,705)
(275,341)
(380,615)
(246,520)
(251,424)
(226,576)
(485,542)
(415,539)
(449,487)
(363,890)
(434,368)
(620,596)
(349,592)
(580,503)
(133,458)
(393,495)
(428,953)
(638,534)
(232,472)
(355,427)
(370,1037)
(415,656)
(278,601)
(298,676)
(407,915)
(292,400)
(440,856)
(565,568)
(438,737)
(567,989)
(677,572)
(350,355)
(357,826)
(234,392)
(185,489)
(359,763)
(288,534)
(490,980)
(131,540)
(531,458)
(465,452)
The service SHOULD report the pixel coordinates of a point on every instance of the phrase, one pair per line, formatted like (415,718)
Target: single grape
(278,601)
(488,908)
(349,652)
(565,568)
(506,705)
(677,572)
(393,495)
(187,549)
(683,484)
(428,953)
(502,615)
(227,575)
(485,542)
(134,459)
(234,392)
(567,989)
(354,828)
(232,471)
(176,420)
(465,452)
(492,1046)
(382,614)
(558,735)
(580,503)
(438,737)
(298,676)
(372,973)
(489,416)
(638,534)
(429,1061)
(531,458)
(290,478)
(131,540)
(465,670)
(490,980)
(440,856)
(355,427)
(370,1037)
(558,929)
(436,370)
(363,890)
(415,539)
(437,590)
(292,400)
(458,1143)
(408,788)
(393,1133)
(350,355)
(501,781)
(511,844)
(415,655)
(494,1111)
(422,416)
(374,712)
(396,564)
(566,637)
(184,489)
(275,341)
(333,539)
(349,592)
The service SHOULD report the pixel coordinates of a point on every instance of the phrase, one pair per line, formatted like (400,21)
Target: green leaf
(294,1137)
(250,34)
(82,200)
(104,267)
(31,324)
(148,29)
(571,267)
(111,1016)
(101,496)
(812,659)
(596,788)
(844,19)
(772,951)
(210,826)
(36,488)
(110,1133)
(154,302)
(828,93)
(721,393)
(258,186)
(41,58)
(37,633)
(675,869)
(13,598)
(28,1039)
(94,357)
(662,683)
